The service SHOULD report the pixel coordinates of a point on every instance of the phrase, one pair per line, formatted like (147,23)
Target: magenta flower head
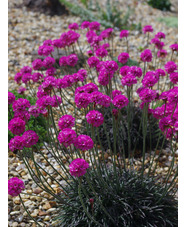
(105,101)
(101,52)
(26,77)
(170,67)
(104,77)
(124,70)
(150,79)
(83,73)
(160,72)
(147,28)
(11,98)
(30,138)
(78,167)
(82,100)
(15,186)
(20,105)
(36,77)
(21,90)
(124,33)
(37,64)
(146,55)
(129,80)
(147,95)
(116,92)
(56,101)
(48,62)
(106,33)
(162,54)
(57,43)
(174,47)
(123,58)
(174,77)
(160,35)
(72,60)
(66,121)
(16,143)
(34,111)
(84,142)
(67,137)
(85,24)
(26,69)
(25,116)
(47,42)
(94,25)
(120,101)
(95,118)
(111,66)
(73,26)
(45,50)
(18,77)
(93,61)
(136,71)
(51,71)
(16,126)
(63,61)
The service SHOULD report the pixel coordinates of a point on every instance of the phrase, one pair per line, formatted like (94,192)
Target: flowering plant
(66,99)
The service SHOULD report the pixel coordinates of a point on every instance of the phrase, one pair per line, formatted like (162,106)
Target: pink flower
(72,60)
(116,92)
(34,111)
(146,55)
(124,33)
(78,167)
(95,118)
(16,126)
(11,98)
(15,186)
(47,42)
(174,77)
(18,77)
(111,66)
(128,80)
(66,121)
(136,71)
(51,71)
(120,101)
(123,58)
(16,143)
(165,123)
(84,142)
(37,64)
(67,137)
(160,35)
(174,47)
(160,72)
(36,77)
(45,50)
(56,101)
(83,73)
(94,25)
(82,100)
(20,105)
(30,138)
(150,79)
(159,45)
(25,116)
(93,61)
(124,70)
(48,62)
(57,43)
(21,90)
(85,24)
(106,33)
(101,52)
(26,77)
(147,95)
(44,102)
(105,101)
(73,26)
(170,67)
(26,69)
(63,61)
(162,53)
(147,28)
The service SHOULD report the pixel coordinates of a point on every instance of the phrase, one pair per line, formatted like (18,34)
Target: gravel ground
(27,30)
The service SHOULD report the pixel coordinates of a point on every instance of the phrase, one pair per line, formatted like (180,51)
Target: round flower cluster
(78,167)
(16,126)
(73,26)
(30,138)
(170,67)
(67,137)
(147,95)
(15,186)
(84,142)
(129,80)
(20,105)
(11,98)
(162,54)
(174,47)
(66,121)
(95,118)
(146,55)
(124,33)
(174,77)
(16,143)
(120,101)
(160,35)
(123,58)
(147,28)
(150,79)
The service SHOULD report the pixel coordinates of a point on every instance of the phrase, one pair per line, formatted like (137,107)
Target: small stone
(47,206)
(47,218)
(15,224)
(37,191)
(14,212)
(51,210)
(42,213)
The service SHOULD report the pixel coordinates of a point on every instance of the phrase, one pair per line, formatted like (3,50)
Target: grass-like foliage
(169,21)
(154,140)
(160,4)
(129,199)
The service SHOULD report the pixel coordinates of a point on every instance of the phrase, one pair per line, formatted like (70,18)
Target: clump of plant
(160,4)
(101,88)
(128,200)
